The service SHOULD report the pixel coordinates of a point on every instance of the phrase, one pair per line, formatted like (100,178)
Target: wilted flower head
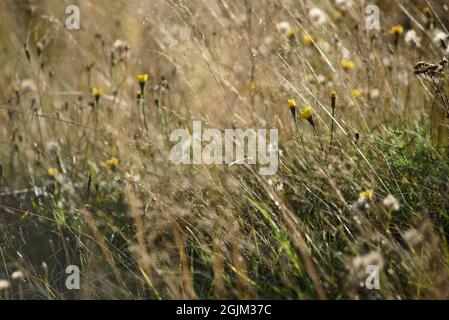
(427,11)
(337,15)
(333,95)
(439,37)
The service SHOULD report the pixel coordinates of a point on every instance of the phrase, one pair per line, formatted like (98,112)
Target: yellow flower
(347,65)
(396,30)
(52,172)
(367,194)
(142,78)
(291,33)
(357,93)
(253,85)
(306,113)
(97,92)
(337,15)
(112,163)
(308,40)
(292,103)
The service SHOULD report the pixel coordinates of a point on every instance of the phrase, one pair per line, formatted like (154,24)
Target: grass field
(86,178)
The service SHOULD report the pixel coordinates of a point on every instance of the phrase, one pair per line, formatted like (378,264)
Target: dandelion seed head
(391,203)
(343,4)
(439,36)
(4,284)
(17,275)
(412,39)
(317,16)
(412,237)
(375,93)
(283,27)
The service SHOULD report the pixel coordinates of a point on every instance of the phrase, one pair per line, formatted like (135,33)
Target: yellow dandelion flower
(306,113)
(292,106)
(142,78)
(367,195)
(253,85)
(347,64)
(307,40)
(291,33)
(52,172)
(292,103)
(356,93)
(97,92)
(112,163)
(396,30)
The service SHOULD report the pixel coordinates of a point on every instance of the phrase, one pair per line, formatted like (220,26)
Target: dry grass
(145,228)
